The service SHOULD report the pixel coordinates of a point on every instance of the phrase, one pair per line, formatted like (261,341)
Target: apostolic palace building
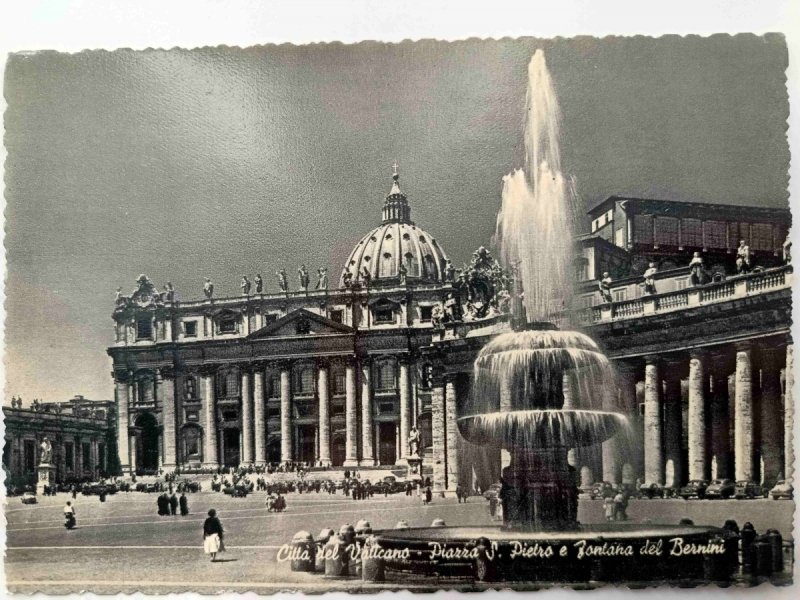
(339,374)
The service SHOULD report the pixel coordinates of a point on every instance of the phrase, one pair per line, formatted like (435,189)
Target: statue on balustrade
(437,315)
(283,282)
(45,452)
(743,258)
(347,277)
(403,272)
(366,276)
(787,249)
(449,272)
(208,288)
(413,441)
(302,277)
(605,287)
(245,285)
(650,279)
(697,272)
(452,308)
(322,278)
(169,292)
(259,283)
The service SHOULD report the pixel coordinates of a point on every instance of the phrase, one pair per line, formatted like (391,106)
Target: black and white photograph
(486,313)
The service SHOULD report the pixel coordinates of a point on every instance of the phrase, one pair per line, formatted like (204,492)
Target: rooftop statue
(283,282)
(259,283)
(245,286)
(302,277)
(322,279)
(208,288)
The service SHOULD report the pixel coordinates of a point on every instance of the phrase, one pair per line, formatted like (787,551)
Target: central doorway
(230,447)
(147,444)
(306,442)
(387,443)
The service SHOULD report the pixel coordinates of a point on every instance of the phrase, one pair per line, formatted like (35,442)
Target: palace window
(425,313)
(190,328)
(144,328)
(385,376)
(761,236)
(643,229)
(384,315)
(274,386)
(339,382)
(716,234)
(666,231)
(191,443)
(304,381)
(337,316)
(620,295)
(228,323)
(692,233)
(228,384)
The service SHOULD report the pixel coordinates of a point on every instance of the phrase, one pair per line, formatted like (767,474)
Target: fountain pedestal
(46,477)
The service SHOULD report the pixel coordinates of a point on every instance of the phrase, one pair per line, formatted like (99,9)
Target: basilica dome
(396,248)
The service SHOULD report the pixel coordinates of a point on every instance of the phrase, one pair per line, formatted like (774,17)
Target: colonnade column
(611,447)
(405,407)
(720,420)
(438,435)
(122,392)
(260,434)
(697,416)
(743,417)
(247,420)
(452,435)
(367,445)
(165,386)
(324,437)
(672,425)
(632,465)
(286,413)
(788,415)
(653,436)
(351,416)
(771,467)
(210,459)
(133,447)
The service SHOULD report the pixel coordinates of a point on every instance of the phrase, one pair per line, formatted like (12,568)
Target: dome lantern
(396,208)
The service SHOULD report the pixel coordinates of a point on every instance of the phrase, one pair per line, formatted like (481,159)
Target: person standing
(173,505)
(608,508)
(428,495)
(620,504)
(184,504)
(213,535)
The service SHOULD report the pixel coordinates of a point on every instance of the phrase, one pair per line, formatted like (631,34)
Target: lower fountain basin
(604,552)
(541,428)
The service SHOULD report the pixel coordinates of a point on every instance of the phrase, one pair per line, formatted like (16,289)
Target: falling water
(536,220)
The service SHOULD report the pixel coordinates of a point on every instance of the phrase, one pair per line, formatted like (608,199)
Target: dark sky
(220,161)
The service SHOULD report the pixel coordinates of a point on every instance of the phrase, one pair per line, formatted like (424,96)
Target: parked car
(748,489)
(651,490)
(782,489)
(721,488)
(28,498)
(696,487)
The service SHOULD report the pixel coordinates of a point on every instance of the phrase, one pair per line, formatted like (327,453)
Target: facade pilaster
(438,434)
(210,457)
(367,428)
(405,407)
(286,413)
(771,428)
(452,435)
(165,386)
(698,453)
(259,412)
(324,430)
(743,417)
(350,416)
(653,434)
(247,419)
(122,392)
(788,415)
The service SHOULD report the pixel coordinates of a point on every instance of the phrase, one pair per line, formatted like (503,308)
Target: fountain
(538,392)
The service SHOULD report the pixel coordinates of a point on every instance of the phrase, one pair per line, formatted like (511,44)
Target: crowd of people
(169,504)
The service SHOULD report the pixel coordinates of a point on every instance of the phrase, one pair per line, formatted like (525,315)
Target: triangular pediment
(301,322)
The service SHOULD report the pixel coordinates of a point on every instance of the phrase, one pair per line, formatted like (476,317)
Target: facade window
(145,390)
(426,376)
(620,295)
(386,408)
(425,313)
(69,456)
(144,328)
(273,412)
(191,443)
(610,215)
(680,284)
(337,316)
(86,455)
(228,384)
(761,236)
(643,229)
(339,382)
(385,376)
(274,386)
(666,231)
(594,225)
(190,387)
(384,315)
(337,409)
(227,324)
(304,381)
(692,233)
(190,328)
(29,449)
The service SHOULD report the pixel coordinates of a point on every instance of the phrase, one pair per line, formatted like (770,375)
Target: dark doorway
(306,442)
(337,449)
(274,449)
(146,444)
(230,441)
(387,443)
(425,432)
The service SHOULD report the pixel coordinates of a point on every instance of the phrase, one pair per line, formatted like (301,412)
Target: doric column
(438,434)
(673,426)
(611,454)
(405,407)
(719,419)
(165,386)
(122,394)
(788,415)
(771,426)
(133,447)
(698,465)
(633,459)
(324,437)
(247,419)
(743,417)
(451,435)
(286,413)
(351,415)
(505,406)
(653,455)
(367,449)
(259,412)
(210,459)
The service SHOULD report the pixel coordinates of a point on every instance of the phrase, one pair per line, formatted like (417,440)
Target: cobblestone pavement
(122,545)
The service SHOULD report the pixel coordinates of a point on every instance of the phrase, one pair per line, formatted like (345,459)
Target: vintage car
(721,488)
(782,489)
(695,488)
(651,490)
(28,498)
(748,489)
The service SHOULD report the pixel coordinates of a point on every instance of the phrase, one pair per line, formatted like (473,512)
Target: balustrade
(630,308)
(676,300)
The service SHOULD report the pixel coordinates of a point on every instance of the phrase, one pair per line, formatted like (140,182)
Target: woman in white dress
(212,535)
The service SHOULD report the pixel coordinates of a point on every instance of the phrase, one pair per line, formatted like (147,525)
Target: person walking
(459,492)
(428,495)
(173,505)
(213,535)
(608,508)
(620,506)
(184,504)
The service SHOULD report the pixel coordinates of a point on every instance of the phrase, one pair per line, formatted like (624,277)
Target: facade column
(122,393)
(76,453)
(259,412)
(743,417)
(505,406)
(367,448)
(632,447)
(698,465)
(210,459)
(405,408)
(324,435)
(653,435)
(451,435)
(247,420)
(286,414)
(771,426)
(611,450)
(788,415)
(719,420)
(672,426)
(438,434)
(165,386)
(351,415)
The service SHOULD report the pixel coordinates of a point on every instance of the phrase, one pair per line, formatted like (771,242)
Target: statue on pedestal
(45,452)
(169,292)
(283,283)
(347,278)
(245,285)
(302,277)
(413,441)
(208,288)
(322,279)
(259,283)
(403,272)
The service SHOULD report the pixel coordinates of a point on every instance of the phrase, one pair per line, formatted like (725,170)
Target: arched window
(191,438)
(145,388)
(385,376)
(430,266)
(304,380)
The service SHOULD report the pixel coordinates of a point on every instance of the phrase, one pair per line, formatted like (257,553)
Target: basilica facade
(341,376)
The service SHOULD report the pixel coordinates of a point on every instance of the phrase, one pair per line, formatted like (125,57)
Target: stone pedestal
(414,465)
(46,477)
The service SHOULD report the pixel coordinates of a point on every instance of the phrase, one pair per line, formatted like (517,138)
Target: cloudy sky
(219,162)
